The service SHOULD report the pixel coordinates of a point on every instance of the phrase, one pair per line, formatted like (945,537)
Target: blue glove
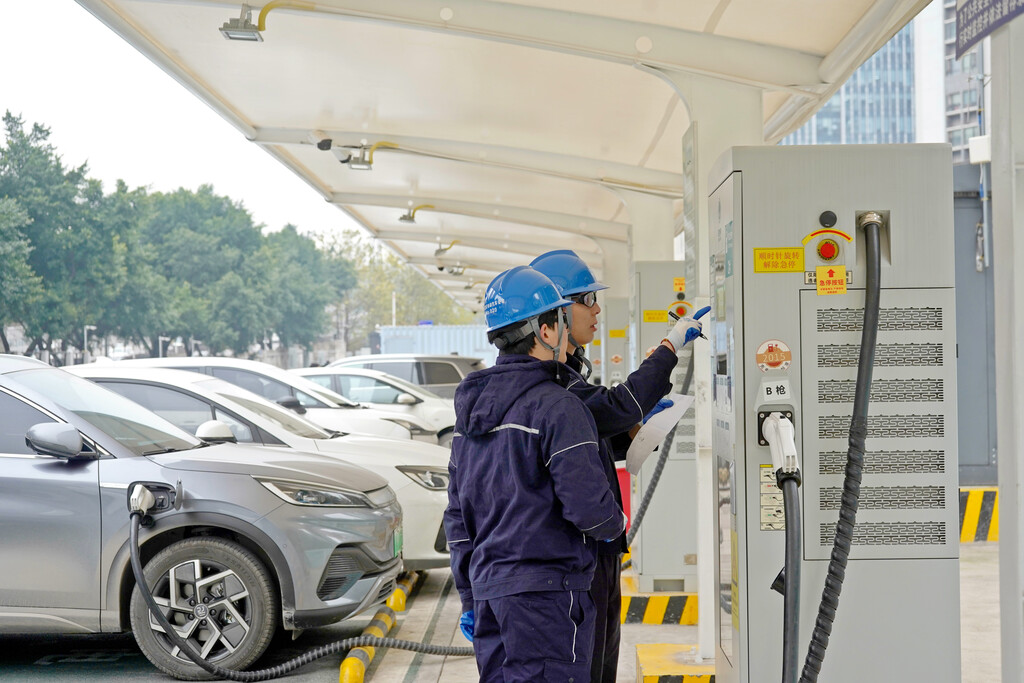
(662,404)
(466,623)
(686,330)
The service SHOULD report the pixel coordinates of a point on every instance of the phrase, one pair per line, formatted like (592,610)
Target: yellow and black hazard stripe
(659,609)
(403,589)
(979,514)
(355,664)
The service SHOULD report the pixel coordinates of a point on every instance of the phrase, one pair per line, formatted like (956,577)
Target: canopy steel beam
(480,241)
(477,265)
(589,35)
(609,174)
(562,222)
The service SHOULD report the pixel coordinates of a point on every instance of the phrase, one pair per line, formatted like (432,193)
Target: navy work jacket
(618,409)
(528,498)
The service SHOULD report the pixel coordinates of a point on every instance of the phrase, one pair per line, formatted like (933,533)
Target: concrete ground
(979,612)
(436,610)
(432,616)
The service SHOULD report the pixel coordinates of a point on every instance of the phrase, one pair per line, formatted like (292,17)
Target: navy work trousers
(531,637)
(606,593)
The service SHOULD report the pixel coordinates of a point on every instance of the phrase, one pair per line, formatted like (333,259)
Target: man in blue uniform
(616,411)
(528,500)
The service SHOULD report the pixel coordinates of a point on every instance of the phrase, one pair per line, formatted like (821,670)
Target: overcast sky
(109,106)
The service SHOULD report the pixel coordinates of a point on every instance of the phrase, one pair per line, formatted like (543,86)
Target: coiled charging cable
(281,669)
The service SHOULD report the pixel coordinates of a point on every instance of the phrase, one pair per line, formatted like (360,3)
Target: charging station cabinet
(788,272)
(664,550)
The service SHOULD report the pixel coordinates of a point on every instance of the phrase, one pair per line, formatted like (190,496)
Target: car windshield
(128,423)
(409,387)
(282,417)
(335,399)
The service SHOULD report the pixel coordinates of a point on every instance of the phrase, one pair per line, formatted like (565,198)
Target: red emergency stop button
(828,250)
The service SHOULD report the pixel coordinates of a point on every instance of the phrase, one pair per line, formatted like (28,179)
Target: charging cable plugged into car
(149,499)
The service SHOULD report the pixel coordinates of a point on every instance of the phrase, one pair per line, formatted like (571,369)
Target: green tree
(78,254)
(21,287)
(148,304)
(204,247)
(381,274)
(299,285)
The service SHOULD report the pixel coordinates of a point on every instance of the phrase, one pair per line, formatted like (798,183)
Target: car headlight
(301,493)
(414,429)
(433,478)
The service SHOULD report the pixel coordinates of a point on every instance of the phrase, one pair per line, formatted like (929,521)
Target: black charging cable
(281,669)
(871,223)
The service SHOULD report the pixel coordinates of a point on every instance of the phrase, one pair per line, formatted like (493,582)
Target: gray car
(267,539)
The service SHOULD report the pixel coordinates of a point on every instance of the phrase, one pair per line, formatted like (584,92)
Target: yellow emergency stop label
(831,280)
(679,284)
(656,316)
(781,260)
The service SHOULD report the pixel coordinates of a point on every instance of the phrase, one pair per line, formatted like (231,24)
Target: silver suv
(441,374)
(267,539)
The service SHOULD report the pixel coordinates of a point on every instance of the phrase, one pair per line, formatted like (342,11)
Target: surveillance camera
(320,139)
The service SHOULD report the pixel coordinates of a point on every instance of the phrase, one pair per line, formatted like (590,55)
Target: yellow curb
(664,663)
(355,664)
(405,584)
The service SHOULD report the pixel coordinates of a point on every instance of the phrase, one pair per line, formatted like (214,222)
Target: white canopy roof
(505,128)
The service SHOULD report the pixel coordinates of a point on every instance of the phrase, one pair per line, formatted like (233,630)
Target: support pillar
(614,320)
(722,115)
(1008,214)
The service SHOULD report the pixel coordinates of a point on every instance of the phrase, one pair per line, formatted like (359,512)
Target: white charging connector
(141,500)
(780,434)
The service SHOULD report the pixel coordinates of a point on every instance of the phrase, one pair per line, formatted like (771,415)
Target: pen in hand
(676,317)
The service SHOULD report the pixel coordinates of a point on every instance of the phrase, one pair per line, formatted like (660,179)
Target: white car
(319,405)
(388,392)
(417,472)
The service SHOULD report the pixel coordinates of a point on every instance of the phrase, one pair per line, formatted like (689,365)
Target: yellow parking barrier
(406,582)
(354,666)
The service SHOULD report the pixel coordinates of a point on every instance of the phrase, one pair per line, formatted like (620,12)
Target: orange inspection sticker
(831,280)
(781,260)
(616,359)
(773,355)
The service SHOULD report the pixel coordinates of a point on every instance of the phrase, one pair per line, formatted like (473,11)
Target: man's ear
(551,331)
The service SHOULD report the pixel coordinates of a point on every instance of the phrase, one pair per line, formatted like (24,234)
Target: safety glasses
(588,299)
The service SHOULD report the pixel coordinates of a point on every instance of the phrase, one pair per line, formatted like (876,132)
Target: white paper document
(652,434)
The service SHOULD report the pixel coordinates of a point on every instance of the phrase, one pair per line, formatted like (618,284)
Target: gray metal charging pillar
(787,277)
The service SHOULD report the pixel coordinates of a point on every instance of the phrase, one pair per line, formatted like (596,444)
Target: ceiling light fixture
(441,250)
(410,215)
(242,28)
(361,158)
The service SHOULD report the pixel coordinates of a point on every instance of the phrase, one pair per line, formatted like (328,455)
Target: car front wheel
(220,599)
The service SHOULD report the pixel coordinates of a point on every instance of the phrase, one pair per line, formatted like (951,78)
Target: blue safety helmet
(519,294)
(568,271)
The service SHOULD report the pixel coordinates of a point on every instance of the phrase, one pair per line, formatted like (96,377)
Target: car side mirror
(215,431)
(406,399)
(58,439)
(291,403)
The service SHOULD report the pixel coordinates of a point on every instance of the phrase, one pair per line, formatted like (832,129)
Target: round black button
(827,219)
